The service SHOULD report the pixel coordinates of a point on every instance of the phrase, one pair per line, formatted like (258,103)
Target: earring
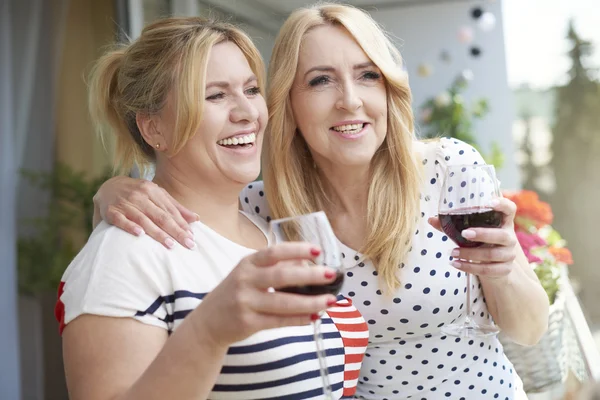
(157,145)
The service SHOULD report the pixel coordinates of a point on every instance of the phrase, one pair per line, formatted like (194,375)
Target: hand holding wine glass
(473,213)
(315,229)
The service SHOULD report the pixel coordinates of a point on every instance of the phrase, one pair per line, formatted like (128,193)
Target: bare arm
(518,302)
(121,359)
(513,294)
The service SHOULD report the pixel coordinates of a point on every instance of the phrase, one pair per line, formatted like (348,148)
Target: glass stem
(468,308)
(322,361)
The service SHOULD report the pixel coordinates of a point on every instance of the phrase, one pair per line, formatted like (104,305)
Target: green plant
(447,114)
(44,255)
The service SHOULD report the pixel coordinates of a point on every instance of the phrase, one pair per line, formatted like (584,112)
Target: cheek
(312,113)
(263,115)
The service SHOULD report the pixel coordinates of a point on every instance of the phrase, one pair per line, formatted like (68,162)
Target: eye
(253,91)
(216,96)
(371,75)
(319,80)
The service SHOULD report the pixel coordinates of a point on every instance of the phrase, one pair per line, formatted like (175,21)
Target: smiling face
(338,99)
(226,147)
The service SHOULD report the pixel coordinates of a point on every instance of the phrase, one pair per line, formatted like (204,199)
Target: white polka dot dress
(408,357)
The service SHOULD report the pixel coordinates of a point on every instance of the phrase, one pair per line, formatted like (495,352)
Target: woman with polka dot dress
(340,139)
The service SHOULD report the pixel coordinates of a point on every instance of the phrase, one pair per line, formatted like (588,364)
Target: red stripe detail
(353,358)
(59,309)
(351,375)
(338,319)
(348,342)
(351,327)
(342,303)
(346,314)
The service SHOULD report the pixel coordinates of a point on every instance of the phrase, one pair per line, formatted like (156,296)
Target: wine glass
(464,203)
(314,228)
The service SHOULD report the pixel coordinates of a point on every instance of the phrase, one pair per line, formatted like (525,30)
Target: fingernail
(329,274)
(455,253)
(197,217)
(331,302)
(494,202)
(138,231)
(315,252)
(189,243)
(456,264)
(169,243)
(314,317)
(468,234)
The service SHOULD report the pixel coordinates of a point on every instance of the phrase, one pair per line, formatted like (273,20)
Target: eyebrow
(223,84)
(325,68)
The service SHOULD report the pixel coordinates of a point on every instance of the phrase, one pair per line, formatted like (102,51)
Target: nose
(244,110)
(349,99)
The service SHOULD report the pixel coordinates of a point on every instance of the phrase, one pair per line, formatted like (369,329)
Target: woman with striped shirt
(140,321)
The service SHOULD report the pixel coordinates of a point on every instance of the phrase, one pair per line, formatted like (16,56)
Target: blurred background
(518,79)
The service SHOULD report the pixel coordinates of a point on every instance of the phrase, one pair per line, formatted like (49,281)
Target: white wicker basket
(546,364)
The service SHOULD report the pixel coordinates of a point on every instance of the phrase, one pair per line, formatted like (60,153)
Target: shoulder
(109,245)
(444,152)
(254,200)
(115,274)
(450,151)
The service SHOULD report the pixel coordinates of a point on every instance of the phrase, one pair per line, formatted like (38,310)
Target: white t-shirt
(407,355)
(119,275)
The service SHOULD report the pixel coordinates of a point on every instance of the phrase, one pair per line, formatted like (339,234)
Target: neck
(347,188)
(217,205)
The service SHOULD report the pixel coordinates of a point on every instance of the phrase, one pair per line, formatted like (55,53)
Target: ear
(148,127)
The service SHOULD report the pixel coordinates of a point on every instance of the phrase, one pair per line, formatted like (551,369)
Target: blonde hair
(293,186)
(171,53)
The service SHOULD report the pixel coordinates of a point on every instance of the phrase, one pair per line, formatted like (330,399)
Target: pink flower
(530,241)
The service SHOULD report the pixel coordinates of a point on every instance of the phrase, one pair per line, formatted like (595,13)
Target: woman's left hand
(496,260)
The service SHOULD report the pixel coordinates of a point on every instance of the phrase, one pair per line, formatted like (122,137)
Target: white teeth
(251,138)
(350,128)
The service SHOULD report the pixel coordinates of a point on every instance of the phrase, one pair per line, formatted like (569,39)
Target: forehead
(329,45)
(225,61)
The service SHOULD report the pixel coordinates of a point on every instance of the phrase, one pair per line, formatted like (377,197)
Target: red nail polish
(314,317)
(331,302)
(315,252)
(329,274)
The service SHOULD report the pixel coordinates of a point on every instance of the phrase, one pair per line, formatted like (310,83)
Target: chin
(244,177)
(355,159)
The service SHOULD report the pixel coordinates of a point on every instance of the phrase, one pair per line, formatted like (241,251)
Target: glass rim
(286,219)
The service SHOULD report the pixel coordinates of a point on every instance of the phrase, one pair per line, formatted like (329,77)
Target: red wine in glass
(465,202)
(316,290)
(314,228)
(454,222)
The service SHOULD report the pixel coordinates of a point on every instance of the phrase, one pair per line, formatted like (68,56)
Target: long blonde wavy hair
(292,184)
(171,53)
